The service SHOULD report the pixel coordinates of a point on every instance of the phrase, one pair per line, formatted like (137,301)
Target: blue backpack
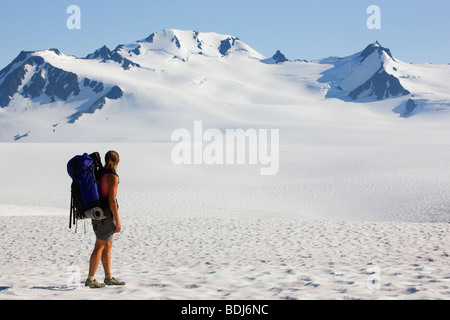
(85,201)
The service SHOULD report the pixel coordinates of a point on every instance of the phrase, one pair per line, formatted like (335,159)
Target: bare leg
(96,256)
(106,258)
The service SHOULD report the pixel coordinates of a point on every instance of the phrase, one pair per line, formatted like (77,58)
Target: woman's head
(111,160)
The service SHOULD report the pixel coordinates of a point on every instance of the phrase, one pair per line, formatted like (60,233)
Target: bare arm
(113,183)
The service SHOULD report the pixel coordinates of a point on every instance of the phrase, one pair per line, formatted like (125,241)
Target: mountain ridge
(84,86)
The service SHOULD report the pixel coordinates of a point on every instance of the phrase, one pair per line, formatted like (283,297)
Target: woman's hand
(118,226)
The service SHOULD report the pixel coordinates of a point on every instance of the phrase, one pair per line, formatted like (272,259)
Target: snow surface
(366,221)
(226,258)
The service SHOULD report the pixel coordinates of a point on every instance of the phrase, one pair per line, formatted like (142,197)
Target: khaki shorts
(104,229)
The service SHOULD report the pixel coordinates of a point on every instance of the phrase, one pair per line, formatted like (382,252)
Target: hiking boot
(114,282)
(93,284)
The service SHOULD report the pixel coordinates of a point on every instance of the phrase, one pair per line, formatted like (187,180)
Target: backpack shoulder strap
(107,171)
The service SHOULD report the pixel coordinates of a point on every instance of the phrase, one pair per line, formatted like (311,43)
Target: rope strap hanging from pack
(71,212)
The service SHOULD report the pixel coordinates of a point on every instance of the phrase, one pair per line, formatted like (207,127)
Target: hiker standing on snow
(105,229)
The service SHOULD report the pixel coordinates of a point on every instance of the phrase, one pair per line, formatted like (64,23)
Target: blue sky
(415,30)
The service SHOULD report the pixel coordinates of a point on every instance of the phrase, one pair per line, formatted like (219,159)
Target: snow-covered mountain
(183,44)
(370,73)
(173,76)
(375,74)
(278,57)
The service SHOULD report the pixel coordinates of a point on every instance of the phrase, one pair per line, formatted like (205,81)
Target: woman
(105,229)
